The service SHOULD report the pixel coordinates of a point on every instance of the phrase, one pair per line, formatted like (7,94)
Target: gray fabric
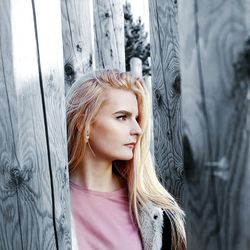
(151,220)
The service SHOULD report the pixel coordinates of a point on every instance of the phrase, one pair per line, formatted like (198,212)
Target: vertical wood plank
(166,94)
(216,137)
(9,219)
(34,212)
(48,24)
(77,28)
(136,66)
(109,34)
(25,217)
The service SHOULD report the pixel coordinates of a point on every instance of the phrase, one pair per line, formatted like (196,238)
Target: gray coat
(151,219)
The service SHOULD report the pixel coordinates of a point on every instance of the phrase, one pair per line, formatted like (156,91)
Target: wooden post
(136,66)
(166,94)
(77,29)
(216,136)
(109,34)
(34,210)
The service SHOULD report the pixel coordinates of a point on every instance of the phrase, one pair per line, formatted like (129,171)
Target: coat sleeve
(166,233)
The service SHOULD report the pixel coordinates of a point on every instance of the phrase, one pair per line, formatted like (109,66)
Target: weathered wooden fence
(166,94)
(34,199)
(215,110)
(77,37)
(216,135)
(37,43)
(109,34)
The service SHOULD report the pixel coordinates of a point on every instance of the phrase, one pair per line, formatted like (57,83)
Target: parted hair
(83,101)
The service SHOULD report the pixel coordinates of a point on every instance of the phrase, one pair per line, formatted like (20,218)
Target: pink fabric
(102,220)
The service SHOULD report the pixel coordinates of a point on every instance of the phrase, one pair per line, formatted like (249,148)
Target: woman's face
(115,126)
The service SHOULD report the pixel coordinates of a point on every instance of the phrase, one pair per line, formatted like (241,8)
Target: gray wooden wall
(166,93)
(197,103)
(109,34)
(93,36)
(201,116)
(34,207)
(77,34)
(216,134)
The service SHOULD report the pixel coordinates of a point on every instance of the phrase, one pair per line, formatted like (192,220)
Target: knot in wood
(107,14)
(79,48)
(90,60)
(18,176)
(68,68)
(169,135)
(15,176)
(158,96)
(177,84)
(107,34)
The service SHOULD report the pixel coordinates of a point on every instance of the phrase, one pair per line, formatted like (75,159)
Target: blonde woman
(117,201)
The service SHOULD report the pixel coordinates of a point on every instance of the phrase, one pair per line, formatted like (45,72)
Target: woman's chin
(126,157)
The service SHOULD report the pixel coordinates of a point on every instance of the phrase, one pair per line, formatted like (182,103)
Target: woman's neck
(97,176)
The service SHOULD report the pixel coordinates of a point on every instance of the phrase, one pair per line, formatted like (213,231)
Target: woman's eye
(121,117)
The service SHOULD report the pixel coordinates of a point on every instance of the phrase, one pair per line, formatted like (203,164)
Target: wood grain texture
(33,190)
(26,204)
(136,66)
(166,94)
(48,24)
(109,34)
(77,30)
(216,137)
(9,219)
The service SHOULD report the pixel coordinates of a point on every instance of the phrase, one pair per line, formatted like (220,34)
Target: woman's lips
(130,145)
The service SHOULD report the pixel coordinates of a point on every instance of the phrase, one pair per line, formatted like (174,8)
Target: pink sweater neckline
(119,192)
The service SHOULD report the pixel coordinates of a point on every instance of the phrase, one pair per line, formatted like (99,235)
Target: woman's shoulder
(156,227)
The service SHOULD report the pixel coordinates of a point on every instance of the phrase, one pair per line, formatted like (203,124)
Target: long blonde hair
(83,102)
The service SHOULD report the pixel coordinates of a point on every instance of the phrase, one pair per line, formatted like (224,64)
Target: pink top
(102,220)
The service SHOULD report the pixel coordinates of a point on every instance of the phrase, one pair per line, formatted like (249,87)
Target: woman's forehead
(119,96)
(118,99)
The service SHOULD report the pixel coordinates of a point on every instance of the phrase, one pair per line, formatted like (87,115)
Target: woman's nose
(136,129)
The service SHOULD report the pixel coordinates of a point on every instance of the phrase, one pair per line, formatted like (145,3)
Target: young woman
(117,201)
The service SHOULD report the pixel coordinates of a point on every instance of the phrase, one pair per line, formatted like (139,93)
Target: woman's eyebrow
(124,112)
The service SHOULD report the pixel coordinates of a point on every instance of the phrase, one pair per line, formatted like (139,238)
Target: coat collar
(151,220)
